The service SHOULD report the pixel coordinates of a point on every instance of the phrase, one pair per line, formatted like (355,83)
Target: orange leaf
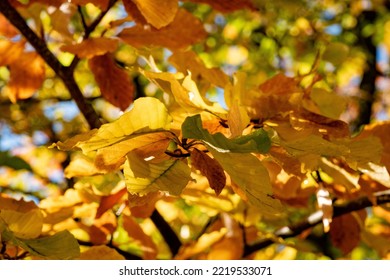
(185,30)
(10,52)
(6,28)
(92,47)
(115,84)
(143,206)
(101,252)
(134,12)
(108,201)
(9,203)
(228,6)
(158,13)
(135,231)
(210,168)
(345,233)
(27,75)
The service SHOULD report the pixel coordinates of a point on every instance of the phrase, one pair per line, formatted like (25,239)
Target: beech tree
(197,129)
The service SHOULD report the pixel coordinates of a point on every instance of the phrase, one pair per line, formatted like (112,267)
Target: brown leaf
(9,203)
(108,201)
(185,30)
(156,12)
(345,233)
(92,47)
(210,168)
(143,206)
(134,12)
(27,76)
(115,84)
(228,6)
(145,241)
(101,252)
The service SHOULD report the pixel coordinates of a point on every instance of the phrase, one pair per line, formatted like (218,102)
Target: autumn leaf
(108,201)
(156,13)
(143,177)
(93,47)
(115,83)
(143,206)
(210,168)
(135,231)
(185,30)
(6,28)
(257,141)
(101,252)
(23,224)
(27,76)
(11,52)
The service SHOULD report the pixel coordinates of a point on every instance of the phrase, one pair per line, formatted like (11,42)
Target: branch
(167,232)
(65,73)
(316,218)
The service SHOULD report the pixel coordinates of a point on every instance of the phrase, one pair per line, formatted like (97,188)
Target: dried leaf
(184,31)
(210,168)
(114,83)
(143,206)
(108,201)
(135,231)
(92,47)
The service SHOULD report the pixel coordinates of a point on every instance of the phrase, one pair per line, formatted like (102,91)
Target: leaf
(135,231)
(210,168)
(251,177)
(156,12)
(62,246)
(258,141)
(188,60)
(23,225)
(15,162)
(228,6)
(238,119)
(184,31)
(6,28)
(186,94)
(101,252)
(143,206)
(108,201)
(330,104)
(10,51)
(27,76)
(21,205)
(92,47)
(143,177)
(345,233)
(336,53)
(114,83)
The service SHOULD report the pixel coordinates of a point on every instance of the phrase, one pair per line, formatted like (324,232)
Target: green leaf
(6,159)
(336,53)
(143,177)
(252,177)
(256,142)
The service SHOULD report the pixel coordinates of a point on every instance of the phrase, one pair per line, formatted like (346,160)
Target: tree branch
(316,218)
(65,73)
(167,232)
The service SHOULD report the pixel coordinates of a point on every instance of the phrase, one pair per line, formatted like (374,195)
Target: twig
(65,73)
(316,218)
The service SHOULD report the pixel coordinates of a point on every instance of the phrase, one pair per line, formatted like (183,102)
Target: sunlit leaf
(336,53)
(107,202)
(6,28)
(92,47)
(20,205)
(143,206)
(257,141)
(157,13)
(23,224)
(238,119)
(135,231)
(143,177)
(185,30)
(210,168)
(330,104)
(114,83)
(252,178)
(101,252)
(10,51)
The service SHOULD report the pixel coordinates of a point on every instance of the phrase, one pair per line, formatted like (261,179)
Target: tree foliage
(194,129)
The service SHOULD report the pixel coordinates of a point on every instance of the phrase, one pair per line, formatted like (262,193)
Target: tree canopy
(196,129)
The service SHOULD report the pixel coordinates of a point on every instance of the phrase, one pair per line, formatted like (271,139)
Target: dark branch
(316,218)
(167,232)
(65,73)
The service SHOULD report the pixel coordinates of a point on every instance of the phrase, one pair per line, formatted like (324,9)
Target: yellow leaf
(16,205)
(81,166)
(238,119)
(91,47)
(184,31)
(135,231)
(101,252)
(23,225)
(114,83)
(329,103)
(156,12)
(336,53)
(143,177)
